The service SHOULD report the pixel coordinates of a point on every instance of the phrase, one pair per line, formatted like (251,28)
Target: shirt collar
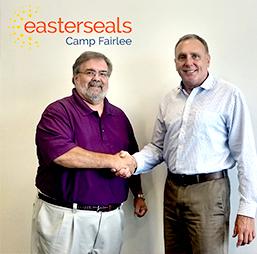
(85,109)
(208,83)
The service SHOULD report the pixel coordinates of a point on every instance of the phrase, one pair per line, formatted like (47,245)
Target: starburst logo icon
(16,27)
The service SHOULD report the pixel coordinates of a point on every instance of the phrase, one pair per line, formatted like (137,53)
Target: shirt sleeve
(54,134)
(242,147)
(152,154)
(133,146)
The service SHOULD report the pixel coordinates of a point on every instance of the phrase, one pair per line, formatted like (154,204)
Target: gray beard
(95,99)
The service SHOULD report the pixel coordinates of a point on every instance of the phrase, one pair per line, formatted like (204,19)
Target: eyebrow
(191,54)
(181,54)
(90,69)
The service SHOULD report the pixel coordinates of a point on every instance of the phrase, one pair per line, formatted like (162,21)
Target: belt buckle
(183,180)
(104,208)
(74,207)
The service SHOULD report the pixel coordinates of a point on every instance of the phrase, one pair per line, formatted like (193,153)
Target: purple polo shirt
(68,123)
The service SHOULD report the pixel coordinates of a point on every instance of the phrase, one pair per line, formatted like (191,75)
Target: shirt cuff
(247,209)
(140,164)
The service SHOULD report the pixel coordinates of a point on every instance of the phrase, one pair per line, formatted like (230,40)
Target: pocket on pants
(49,224)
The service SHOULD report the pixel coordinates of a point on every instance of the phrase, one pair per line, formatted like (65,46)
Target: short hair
(193,36)
(86,56)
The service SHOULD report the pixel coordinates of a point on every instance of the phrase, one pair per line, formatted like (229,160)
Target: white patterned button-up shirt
(205,131)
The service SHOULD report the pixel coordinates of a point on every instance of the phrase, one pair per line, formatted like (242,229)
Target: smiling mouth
(189,71)
(96,84)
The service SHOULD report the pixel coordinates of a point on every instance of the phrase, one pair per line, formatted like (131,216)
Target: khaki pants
(196,217)
(58,230)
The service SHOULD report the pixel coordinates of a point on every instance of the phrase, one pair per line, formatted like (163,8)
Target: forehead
(190,46)
(95,63)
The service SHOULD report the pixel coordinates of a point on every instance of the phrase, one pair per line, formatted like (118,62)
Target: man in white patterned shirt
(202,130)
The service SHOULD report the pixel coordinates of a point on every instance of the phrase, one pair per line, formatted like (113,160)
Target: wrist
(140,195)
(135,164)
(112,161)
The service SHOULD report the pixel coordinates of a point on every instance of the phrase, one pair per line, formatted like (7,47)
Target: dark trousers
(196,217)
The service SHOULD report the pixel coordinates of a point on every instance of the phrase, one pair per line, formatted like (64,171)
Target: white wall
(143,73)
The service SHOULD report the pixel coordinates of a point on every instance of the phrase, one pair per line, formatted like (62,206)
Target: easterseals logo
(26,29)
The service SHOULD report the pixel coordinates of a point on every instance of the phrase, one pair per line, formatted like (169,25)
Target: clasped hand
(124,165)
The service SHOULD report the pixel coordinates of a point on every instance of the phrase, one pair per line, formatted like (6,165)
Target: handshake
(124,164)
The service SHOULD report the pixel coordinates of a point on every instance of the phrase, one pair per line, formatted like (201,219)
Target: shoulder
(225,87)
(113,109)
(170,97)
(59,105)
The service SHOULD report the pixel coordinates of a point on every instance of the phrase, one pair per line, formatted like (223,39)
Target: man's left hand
(140,207)
(244,229)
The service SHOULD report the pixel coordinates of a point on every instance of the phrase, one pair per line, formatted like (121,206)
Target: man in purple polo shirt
(78,141)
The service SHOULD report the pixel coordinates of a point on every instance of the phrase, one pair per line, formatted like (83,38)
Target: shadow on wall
(140,232)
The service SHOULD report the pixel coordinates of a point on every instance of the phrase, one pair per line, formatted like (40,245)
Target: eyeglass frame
(92,73)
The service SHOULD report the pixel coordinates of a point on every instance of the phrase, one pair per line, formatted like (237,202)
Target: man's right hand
(126,165)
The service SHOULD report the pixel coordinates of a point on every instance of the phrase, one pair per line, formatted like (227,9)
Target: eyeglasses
(93,73)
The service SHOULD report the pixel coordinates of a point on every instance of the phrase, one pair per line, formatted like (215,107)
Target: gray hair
(86,56)
(193,36)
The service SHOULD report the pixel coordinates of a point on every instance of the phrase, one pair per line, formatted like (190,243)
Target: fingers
(123,172)
(240,240)
(124,164)
(140,207)
(244,230)
(141,212)
(245,238)
(123,154)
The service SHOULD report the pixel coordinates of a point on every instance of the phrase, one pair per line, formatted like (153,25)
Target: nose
(96,76)
(188,60)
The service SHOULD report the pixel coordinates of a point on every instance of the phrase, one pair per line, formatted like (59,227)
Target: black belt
(181,179)
(97,208)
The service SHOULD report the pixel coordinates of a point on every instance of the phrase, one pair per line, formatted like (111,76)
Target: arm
(152,154)
(242,146)
(149,157)
(141,162)
(81,158)
(140,207)
(134,182)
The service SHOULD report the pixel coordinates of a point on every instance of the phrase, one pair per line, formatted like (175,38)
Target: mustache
(95,83)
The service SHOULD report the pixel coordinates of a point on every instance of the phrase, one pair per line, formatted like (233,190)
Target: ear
(208,59)
(75,79)
(175,61)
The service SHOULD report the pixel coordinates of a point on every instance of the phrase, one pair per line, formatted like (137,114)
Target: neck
(97,107)
(190,86)
(188,89)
